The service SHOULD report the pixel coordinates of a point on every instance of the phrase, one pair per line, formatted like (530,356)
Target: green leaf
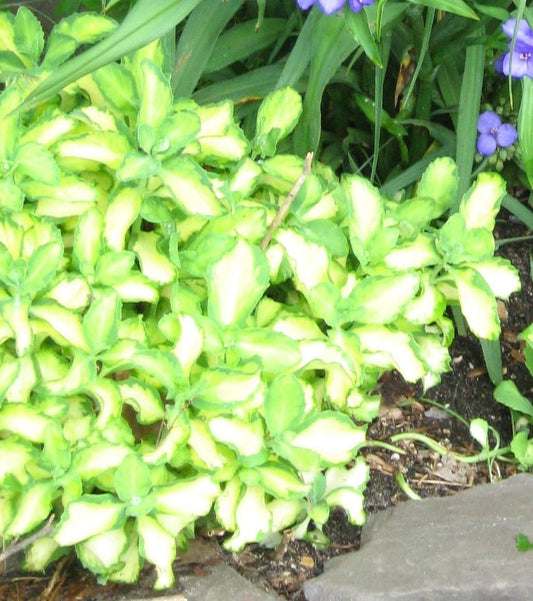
(72,197)
(156,103)
(187,497)
(117,87)
(9,371)
(253,520)
(107,148)
(501,276)
(99,457)
(414,255)
(390,349)
(56,454)
(121,211)
(236,283)
(223,387)
(413,215)
(507,394)
(242,40)
(70,290)
(157,546)
(16,314)
(481,203)
(276,351)
(177,131)
(522,448)
(309,260)
(197,41)
(277,116)
(524,131)
(189,187)
(277,479)
(379,299)
(102,553)
(137,165)
(33,507)
(333,436)
(155,264)
(29,37)
(25,421)
(88,243)
(10,100)
(160,364)
(42,266)
(439,182)
(37,162)
(457,7)
(478,304)
(100,323)
(63,323)
(523,543)
(142,25)
(365,210)
(330,44)
(247,438)
(358,25)
(144,398)
(284,404)
(114,266)
(132,480)
(87,516)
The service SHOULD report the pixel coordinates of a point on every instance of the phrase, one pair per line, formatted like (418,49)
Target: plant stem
(443,451)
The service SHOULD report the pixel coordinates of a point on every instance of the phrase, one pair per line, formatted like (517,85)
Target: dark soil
(467,390)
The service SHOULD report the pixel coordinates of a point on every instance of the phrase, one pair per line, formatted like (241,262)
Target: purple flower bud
(494,133)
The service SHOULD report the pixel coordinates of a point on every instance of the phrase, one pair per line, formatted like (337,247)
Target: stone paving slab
(222,583)
(457,548)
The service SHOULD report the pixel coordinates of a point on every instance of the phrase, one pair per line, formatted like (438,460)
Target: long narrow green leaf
(469,102)
(519,210)
(253,85)
(428,27)
(331,45)
(379,79)
(301,53)
(457,7)
(357,23)
(413,173)
(525,130)
(146,21)
(242,40)
(449,81)
(493,359)
(198,40)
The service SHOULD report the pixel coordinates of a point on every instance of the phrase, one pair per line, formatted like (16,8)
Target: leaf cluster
(160,366)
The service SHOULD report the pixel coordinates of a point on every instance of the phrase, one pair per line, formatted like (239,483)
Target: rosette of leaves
(168,360)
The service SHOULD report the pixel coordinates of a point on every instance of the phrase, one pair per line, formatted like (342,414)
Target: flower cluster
(519,62)
(494,133)
(329,7)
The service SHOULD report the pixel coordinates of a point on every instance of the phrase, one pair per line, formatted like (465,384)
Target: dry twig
(14,548)
(284,209)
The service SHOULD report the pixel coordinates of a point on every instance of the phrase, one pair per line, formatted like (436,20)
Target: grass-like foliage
(193,319)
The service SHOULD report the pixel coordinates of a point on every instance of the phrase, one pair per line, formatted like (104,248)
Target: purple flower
(519,62)
(494,133)
(329,7)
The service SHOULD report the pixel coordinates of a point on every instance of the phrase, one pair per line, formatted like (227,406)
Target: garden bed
(466,390)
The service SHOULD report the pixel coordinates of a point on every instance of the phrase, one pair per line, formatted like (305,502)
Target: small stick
(284,209)
(58,578)
(14,548)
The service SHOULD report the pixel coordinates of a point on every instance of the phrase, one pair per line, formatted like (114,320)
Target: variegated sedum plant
(173,351)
